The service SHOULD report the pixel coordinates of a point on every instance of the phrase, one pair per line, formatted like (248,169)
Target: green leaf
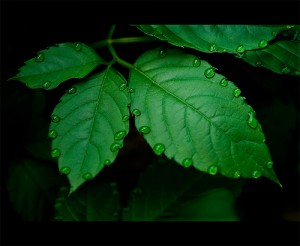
(180,194)
(196,116)
(215,38)
(32,188)
(95,201)
(282,57)
(58,64)
(89,124)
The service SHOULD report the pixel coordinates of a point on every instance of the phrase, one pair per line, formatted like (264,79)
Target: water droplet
(209,72)
(157,32)
(52,134)
(40,57)
(196,62)
(270,164)
(163,53)
(213,48)
(240,49)
(47,84)
(258,63)
(78,46)
(72,90)
(55,118)
(256,174)
(263,44)
(137,191)
(120,135)
(212,170)
(122,87)
(144,129)
(87,176)
(131,90)
(159,149)
(187,162)
(136,112)
(115,146)
(237,92)
(224,82)
(274,34)
(125,118)
(236,174)
(107,162)
(55,153)
(285,70)
(65,170)
(252,121)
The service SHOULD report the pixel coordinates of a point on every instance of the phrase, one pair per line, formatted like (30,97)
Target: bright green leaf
(197,116)
(58,64)
(32,187)
(96,201)
(215,38)
(282,57)
(88,126)
(185,195)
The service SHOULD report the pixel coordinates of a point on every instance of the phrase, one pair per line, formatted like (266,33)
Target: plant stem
(113,52)
(125,40)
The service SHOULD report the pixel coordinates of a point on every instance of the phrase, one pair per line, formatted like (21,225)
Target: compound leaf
(89,125)
(282,57)
(32,187)
(192,114)
(185,195)
(215,38)
(58,64)
(95,201)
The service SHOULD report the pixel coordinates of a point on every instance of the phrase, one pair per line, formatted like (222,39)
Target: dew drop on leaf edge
(224,82)
(252,121)
(136,112)
(187,162)
(122,87)
(270,164)
(52,134)
(120,135)
(40,57)
(236,174)
(159,149)
(72,90)
(107,162)
(55,118)
(256,174)
(65,170)
(87,176)
(212,170)
(55,153)
(240,49)
(209,73)
(196,62)
(144,129)
(125,118)
(115,146)
(213,48)
(237,92)
(263,44)
(47,84)
(78,46)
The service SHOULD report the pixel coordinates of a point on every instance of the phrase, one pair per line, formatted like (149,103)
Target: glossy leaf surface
(196,116)
(88,126)
(57,64)
(282,57)
(215,38)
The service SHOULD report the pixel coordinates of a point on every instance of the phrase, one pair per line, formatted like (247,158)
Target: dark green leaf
(282,57)
(185,195)
(58,64)
(215,38)
(196,116)
(96,201)
(88,126)
(32,185)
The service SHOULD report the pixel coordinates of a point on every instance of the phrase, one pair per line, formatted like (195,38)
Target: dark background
(27,27)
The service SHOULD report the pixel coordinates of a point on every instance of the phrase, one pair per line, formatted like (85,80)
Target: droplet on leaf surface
(47,84)
(55,153)
(187,162)
(120,135)
(55,118)
(144,129)
(65,170)
(159,149)
(212,170)
(52,134)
